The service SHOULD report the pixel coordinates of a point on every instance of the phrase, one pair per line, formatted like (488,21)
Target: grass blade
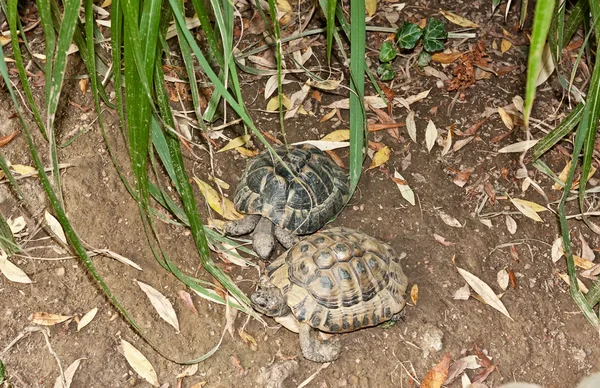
(576,17)
(559,132)
(541,24)
(357,85)
(329,7)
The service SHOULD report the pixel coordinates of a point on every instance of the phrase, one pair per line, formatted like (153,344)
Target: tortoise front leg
(316,350)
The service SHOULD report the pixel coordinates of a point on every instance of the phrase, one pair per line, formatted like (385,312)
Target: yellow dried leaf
(506,119)
(328,116)
(4,40)
(458,20)
(380,157)
(582,263)
(221,183)
(223,206)
(436,377)
(330,84)
(562,176)
(273,104)
(22,169)
(371,6)
(106,3)
(48,319)
(248,339)
(528,208)
(246,152)
(414,294)
(505,46)
(446,58)
(338,135)
(284,6)
(139,363)
(582,286)
(234,143)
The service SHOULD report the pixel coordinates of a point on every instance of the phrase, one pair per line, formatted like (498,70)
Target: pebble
(60,271)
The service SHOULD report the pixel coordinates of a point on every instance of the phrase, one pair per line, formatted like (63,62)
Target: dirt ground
(548,341)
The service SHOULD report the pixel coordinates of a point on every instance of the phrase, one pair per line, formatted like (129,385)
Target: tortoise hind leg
(263,241)
(285,237)
(315,350)
(242,226)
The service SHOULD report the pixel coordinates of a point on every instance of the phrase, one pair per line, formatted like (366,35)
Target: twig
(311,377)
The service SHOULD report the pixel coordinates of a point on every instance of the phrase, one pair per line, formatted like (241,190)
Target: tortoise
(335,281)
(282,205)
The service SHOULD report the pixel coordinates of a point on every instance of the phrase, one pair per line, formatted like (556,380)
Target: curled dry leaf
(528,208)
(235,143)
(462,293)
(161,304)
(139,363)
(511,224)
(506,119)
(460,365)
(87,318)
(518,103)
(48,319)
(446,58)
(4,140)
(11,271)
(328,116)
(187,301)
(16,225)
(431,134)
(381,157)
(557,249)
(449,220)
(416,97)
(442,240)
(55,226)
(458,20)
(462,177)
(502,278)
(190,370)
(483,290)
(447,143)
(404,188)
(246,152)
(69,373)
(223,206)
(414,294)
(436,377)
(586,252)
(411,126)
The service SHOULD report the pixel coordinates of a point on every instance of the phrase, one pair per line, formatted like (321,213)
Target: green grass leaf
(559,132)
(541,24)
(358,125)
(434,35)
(328,7)
(408,35)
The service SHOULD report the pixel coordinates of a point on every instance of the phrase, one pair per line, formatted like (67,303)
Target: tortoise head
(269,301)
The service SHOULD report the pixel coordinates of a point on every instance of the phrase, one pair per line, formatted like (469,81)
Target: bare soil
(547,341)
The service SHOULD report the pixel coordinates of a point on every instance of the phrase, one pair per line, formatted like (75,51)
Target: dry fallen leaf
(248,339)
(161,304)
(459,366)
(519,147)
(461,143)
(22,169)
(511,224)
(506,119)
(462,293)
(234,143)
(565,278)
(483,290)
(371,7)
(436,377)
(187,301)
(273,104)
(190,370)
(246,152)
(528,208)
(586,252)
(325,145)
(414,294)
(330,84)
(69,373)
(458,20)
(87,318)
(223,206)
(11,271)
(328,116)
(48,319)
(446,58)
(447,143)
(55,226)
(431,134)
(557,249)
(381,157)
(139,363)
(411,126)
(502,278)
(462,177)
(16,225)
(338,135)
(449,220)
(404,188)
(442,240)
(505,46)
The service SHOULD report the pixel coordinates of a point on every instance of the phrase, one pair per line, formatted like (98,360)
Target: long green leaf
(357,85)
(559,132)
(541,24)
(328,7)
(578,13)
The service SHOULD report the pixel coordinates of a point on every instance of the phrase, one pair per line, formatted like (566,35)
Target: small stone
(60,271)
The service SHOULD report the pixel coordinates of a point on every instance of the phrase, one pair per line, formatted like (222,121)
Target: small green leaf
(2,372)
(387,52)
(424,59)
(386,72)
(408,35)
(434,34)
